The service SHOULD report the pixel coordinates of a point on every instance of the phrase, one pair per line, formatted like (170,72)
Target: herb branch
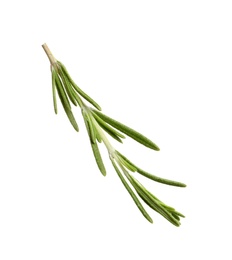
(98,125)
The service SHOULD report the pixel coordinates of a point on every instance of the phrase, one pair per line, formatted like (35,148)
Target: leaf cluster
(98,126)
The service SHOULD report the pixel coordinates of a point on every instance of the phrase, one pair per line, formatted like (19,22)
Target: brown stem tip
(49,54)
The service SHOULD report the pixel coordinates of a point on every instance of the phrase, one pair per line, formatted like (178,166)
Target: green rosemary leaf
(168,208)
(54,91)
(82,93)
(98,137)
(98,158)
(151,176)
(111,131)
(179,214)
(69,113)
(128,131)
(160,180)
(127,164)
(171,210)
(91,128)
(67,87)
(176,216)
(130,191)
(106,126)
(66,104)
(154,204)
(172,220)
(77,98)
(60,87)
(72,119)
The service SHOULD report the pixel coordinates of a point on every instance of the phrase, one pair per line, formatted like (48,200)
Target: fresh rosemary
(97,125)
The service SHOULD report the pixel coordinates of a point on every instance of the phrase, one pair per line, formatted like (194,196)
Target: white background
(163,68)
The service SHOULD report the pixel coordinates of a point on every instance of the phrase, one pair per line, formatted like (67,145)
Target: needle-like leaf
(130,191)
(67,87)
(92,137)
(110,130)
(151,176)
(65,103)
(128,131)
(151,201)
(60,89)
(91,127)
(54,91)
(82,93)
(98,158)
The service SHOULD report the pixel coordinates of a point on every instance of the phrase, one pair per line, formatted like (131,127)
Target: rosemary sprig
(97,125)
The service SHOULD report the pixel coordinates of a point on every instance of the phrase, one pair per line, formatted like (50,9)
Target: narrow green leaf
(77,98)
(91,128)
(94,145)
(161,180)
(72,119)
(132,194)
(150,199)
(154,204)
(111,133)
(65,103)
(179,214)
(170,209)
(151,176)
(176,216)
(82,93)
(106,126)
(60,87)
(67,86)
(128,165)
(98,136)
(69,113)
(128,131)
(98,158)
(54,91)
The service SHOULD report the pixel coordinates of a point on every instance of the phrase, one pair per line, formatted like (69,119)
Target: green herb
(98,125)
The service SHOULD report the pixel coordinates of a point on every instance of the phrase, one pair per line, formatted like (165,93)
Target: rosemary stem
(49,54)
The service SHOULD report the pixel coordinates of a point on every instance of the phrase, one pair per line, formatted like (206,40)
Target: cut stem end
(49,54)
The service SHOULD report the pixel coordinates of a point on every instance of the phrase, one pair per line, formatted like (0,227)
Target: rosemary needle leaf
(128,165)
(67,87)
(128,131)
(151,176)
(146,196)
(65,103)
(94,146)
(169,209)
(89,125)
(176,216)
(160,180)
(69,113)
(72,119)
(179,214)
(98,137)
(134,197)
(60,88)
(111,131)
(82,93)
(54,91)
(98,158)
(102,122)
